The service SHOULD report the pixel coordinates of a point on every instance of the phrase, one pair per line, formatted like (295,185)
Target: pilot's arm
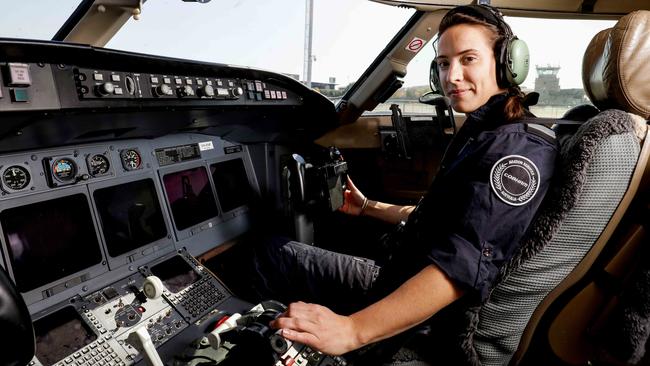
(357,204)
(412,303)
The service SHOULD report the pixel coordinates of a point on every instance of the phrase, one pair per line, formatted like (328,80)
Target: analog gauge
(98,165)
(16,177)
(131,159)
(64,169)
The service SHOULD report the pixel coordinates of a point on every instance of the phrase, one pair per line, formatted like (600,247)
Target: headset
(511,53)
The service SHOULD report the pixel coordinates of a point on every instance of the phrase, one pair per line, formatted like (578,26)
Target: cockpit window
(34,19)
(270,35)
(556,50)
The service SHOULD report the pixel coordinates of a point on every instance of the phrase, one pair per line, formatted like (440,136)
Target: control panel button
(222,92)
(186,91)
(154,80)
(236,92)
(206,91)
(105,89)
(163,90)
(98,77)
(167,80)
(19,74)
(19,95)
(115,78)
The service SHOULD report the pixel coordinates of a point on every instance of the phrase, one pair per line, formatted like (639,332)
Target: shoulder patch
(514,179)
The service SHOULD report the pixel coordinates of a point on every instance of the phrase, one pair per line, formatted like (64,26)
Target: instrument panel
(94,329)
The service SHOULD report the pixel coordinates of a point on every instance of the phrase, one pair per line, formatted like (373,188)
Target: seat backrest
(16,332)
(601,166)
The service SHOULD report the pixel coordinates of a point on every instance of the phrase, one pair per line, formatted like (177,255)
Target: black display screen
(175,273)
(190,196)
(231,181)
(49,240)
(60,334)
(131,216)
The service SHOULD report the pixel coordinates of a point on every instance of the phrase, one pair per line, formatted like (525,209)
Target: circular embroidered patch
(514,179)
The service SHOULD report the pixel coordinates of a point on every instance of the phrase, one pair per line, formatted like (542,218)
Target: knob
(185,91)
(162,90)
(206,91)
(236,92)
(104,89)
(152,287)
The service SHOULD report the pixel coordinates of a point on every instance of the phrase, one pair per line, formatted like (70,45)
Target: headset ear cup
(517,62)
(434,78)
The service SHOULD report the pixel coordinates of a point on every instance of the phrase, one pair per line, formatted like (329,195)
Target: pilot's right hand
(353,200)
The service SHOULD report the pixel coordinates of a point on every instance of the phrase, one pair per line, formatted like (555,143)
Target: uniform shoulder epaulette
(538,126)
(541,131)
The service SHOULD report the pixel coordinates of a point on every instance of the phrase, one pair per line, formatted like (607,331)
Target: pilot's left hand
(318,327)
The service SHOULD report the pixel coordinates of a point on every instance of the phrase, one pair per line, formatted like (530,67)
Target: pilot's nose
(454,72)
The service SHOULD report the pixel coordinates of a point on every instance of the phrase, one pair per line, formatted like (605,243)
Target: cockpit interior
(133,184)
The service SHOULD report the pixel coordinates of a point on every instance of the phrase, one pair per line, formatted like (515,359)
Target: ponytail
(514,108)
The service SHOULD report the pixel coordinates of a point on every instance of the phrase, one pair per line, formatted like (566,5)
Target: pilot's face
(467,66)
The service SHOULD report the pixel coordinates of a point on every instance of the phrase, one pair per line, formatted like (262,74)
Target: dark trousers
(290,271)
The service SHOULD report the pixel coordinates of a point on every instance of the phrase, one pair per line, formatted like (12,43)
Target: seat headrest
(615,67)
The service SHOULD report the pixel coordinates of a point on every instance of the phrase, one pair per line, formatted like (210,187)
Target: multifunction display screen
(190,196)
(175,273)
(60,334)
(130,215)
(231,182)
(49,240)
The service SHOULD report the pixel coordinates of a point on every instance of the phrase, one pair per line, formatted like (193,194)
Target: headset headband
(487,13)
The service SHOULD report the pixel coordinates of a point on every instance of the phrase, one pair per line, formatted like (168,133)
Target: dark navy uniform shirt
(490,185)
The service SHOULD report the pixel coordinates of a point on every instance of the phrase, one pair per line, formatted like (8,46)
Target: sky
(269,34)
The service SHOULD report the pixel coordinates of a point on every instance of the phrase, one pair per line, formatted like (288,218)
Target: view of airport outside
(347,36)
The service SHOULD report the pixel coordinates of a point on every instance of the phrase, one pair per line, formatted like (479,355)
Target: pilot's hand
(353,200)
(317,327)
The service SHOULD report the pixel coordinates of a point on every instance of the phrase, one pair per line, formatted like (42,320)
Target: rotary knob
(206,91)
(163,90)
(185,91)
(236,92)
(104,89)
(152,287)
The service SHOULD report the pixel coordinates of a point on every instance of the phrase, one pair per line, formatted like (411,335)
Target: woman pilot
(492,180)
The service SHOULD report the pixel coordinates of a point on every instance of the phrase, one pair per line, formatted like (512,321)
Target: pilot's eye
(469,59)
(443,64)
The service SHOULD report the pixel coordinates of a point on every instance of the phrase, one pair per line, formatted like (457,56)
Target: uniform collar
(490,112)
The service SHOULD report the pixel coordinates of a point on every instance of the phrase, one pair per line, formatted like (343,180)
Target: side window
(555,66)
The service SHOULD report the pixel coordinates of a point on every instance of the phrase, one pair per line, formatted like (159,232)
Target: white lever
(152,287)
(141,341)
(215,338)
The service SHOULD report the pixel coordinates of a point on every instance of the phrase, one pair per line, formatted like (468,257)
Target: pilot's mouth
(457,93)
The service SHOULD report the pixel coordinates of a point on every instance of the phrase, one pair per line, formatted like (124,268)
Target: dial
(16,177)
(64,169)
(98,165)
(131,159)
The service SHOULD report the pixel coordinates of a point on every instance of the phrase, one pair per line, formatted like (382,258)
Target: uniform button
(487,252)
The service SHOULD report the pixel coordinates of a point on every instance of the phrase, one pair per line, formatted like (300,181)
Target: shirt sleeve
(478,210)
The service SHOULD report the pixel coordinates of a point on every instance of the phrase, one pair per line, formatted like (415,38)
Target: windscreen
(231,182)
(41,237)
(190,196)
(175,273)
(61,334)
(131,216)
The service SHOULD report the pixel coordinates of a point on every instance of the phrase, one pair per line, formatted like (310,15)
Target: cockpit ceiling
(596,9)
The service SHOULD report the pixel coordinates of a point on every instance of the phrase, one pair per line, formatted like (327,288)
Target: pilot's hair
(514,107)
